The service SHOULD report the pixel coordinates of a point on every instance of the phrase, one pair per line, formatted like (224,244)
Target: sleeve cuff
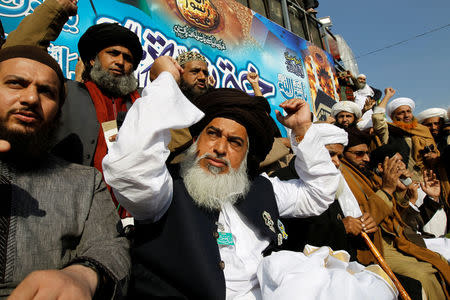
(379,110)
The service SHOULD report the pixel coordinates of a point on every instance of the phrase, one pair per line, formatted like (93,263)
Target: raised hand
(393,168)
(70,6)
(253,78)
(166,63)
(368,104)
(431,185)
(298,116)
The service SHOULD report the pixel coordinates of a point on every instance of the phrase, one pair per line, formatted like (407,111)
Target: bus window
(258,6)
(276,14)
(297,19)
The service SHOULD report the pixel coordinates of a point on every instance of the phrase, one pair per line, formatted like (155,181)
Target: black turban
(357,137)
(37,54)
(101,36)
(379,154)
(250,112)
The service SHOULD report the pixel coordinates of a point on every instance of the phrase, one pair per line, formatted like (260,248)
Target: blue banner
(234,39)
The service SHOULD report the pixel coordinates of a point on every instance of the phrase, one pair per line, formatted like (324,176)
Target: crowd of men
(188,209)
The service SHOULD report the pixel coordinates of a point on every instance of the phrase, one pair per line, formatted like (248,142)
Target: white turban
(396,103)
(430,113)
(331,134)
(348,106)
(361,76)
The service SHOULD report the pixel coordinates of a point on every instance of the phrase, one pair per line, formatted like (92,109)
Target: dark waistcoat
(178,256)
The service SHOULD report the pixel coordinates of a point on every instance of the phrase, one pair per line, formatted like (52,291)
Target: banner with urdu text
(234,39)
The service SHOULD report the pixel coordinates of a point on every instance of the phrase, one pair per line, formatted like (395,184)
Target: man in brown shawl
(375,194)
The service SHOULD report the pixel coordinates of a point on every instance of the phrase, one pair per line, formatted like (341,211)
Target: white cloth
(396,103)
(331,134)
(365,122)
(135,168)
(362,76)
(430,113)
(318,273)
(362,94)
(439,245)
(348,106)
(135,162)
(437,225)
(347,201)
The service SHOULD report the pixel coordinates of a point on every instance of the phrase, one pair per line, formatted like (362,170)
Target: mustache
(27,111)
(215,157)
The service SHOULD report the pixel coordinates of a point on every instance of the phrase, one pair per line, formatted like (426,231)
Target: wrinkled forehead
(195,64)
(29,69)
(229,126)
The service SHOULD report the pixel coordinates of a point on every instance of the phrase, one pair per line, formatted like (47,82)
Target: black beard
(28,149)
(110,85)
(188,90)
(344,127)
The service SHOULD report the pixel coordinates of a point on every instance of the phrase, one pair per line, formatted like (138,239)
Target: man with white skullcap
(434,119)
(364,91)
(194,80)
(406,130)
(346,113)
(342,218)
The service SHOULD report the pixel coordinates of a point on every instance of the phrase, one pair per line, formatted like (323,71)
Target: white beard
(211,190)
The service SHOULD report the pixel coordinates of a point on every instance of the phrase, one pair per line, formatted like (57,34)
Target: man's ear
(92,62)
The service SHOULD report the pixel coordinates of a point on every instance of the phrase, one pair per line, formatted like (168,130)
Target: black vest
(178,256)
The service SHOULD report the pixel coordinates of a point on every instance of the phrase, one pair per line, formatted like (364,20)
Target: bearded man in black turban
(201,233)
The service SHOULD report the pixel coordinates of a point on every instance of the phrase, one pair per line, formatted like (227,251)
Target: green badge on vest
(225,238)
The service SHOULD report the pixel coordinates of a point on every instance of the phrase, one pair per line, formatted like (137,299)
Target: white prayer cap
(430,113)
(361,76)
(348,106)
(396,103)
(331,134)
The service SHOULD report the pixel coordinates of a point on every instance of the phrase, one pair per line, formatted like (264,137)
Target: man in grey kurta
(58,225)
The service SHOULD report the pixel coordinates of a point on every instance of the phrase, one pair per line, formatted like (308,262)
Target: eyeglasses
(360,153)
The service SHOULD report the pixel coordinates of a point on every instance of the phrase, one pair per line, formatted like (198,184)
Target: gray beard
(211,190)
(116,86)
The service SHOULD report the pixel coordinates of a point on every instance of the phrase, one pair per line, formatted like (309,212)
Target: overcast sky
(418,69)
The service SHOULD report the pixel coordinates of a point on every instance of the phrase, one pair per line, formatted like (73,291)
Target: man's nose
(120,60)
(220,147)
(366,157)
(29,96)
(201,76)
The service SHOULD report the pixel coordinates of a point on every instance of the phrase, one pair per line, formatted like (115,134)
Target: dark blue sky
(418,69)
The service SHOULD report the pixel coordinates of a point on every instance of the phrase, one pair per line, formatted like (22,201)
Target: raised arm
(43,25)
(315,190)
(380,125)
(253,78)
(135,165)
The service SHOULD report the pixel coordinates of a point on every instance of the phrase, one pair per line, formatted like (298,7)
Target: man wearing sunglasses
(375,194)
